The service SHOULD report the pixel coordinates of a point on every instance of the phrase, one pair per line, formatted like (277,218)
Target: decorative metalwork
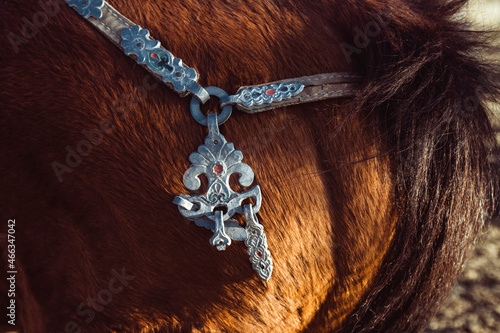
(224,114)
(137,41)
(259,95)
(256,242)
(88,7)
(231,227)
(218,160)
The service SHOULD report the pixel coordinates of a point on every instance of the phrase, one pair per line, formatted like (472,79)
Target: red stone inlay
(218,168)
(270,92)
(259,254)
(154,55)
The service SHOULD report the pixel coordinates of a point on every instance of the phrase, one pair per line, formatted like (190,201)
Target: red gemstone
(259,254)
(154,55)
(218,168)
(270,92)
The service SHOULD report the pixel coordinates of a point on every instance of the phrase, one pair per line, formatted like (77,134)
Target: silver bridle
(216,158)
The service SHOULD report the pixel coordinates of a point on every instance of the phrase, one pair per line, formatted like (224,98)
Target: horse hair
(427,82)
(423,102)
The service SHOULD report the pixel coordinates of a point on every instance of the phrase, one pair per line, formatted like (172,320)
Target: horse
(371,203)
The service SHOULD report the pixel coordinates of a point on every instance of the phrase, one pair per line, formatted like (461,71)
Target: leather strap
(110,23)
(137,43)
(267,96)
(117,27)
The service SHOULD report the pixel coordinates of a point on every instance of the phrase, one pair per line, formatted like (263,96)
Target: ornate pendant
(218,160)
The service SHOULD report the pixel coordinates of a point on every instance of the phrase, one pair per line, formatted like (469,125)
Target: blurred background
(474,304)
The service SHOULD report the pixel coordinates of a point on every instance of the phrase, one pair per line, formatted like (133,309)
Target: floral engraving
(218,160)
(88,7)
(137,41)
(267,94)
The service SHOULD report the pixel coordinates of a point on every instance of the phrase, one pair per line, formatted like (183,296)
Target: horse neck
(327,215)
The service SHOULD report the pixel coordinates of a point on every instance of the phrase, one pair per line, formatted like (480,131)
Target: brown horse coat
(370,204)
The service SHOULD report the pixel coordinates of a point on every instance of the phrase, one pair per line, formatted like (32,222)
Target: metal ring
(224,114)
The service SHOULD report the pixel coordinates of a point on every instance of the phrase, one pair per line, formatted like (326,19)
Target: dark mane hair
(427,86)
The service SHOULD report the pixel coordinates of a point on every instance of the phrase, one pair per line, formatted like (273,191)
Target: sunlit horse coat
(370,203)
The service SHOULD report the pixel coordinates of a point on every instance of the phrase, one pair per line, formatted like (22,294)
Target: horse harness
(216,158)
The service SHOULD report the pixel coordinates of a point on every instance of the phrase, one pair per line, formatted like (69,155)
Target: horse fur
(370,204)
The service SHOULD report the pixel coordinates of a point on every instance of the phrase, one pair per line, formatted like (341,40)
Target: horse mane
(427,85)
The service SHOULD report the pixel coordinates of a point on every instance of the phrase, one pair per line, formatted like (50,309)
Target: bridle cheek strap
(216,158)
(267,96)
(136,42)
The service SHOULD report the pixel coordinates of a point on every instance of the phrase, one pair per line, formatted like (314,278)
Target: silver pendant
(218,160)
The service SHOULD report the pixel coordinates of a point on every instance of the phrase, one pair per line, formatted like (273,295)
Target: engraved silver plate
(136,40)
(256,242)
(88,8)
(258,95)
(218,160)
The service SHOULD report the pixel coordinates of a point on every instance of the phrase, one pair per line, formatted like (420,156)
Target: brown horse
(370,203)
